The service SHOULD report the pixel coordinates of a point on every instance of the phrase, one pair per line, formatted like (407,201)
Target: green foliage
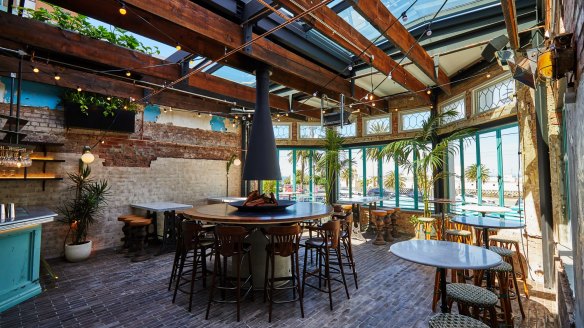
(471,173)
(429,160)
(79,23)
(81,211)
(85,100)
(330,164)
(389,181)
(269,186)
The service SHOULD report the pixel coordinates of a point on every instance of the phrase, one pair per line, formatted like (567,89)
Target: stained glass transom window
(494,95)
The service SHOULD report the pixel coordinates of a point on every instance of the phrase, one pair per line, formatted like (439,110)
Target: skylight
(236,75)
(361,24)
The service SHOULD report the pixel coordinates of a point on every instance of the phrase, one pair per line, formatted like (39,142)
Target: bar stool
(324,246)
(510,243)
(192,242)
(427,224)
(457,232)
(472,299)
(504,272)
(378,217)
(229,243)
(138,234)
(126,229)
(347,245)
(394,218)
(451,320)
(284,241)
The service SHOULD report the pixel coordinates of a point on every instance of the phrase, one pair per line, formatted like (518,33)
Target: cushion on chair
(378,212)
(471,294)
(455,232)
(503,239)
(503,267)
(502,251)
(451,320)
(316,242)
(426,220)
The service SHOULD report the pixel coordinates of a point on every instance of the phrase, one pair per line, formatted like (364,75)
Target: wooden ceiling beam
(65,43)
(326,21)
(201,31)
(510,15)
(72,79)
(381,18)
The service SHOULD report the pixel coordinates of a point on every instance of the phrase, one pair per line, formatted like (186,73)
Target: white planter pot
(77,253)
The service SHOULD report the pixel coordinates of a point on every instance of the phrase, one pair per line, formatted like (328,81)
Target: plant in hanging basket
(93,111)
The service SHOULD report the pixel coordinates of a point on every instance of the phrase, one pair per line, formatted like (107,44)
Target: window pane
(389,179)
(511,173)
(344,174)
(455,175)
(236,75)
(348,130)
(413,120)
(489,175)
(303,174)
(281,131)
(378,125)
(406,193)
(495,96)
(372,170)
(285,160)
(311,131)
(357,182)
(319,178)
(469,154)
(422,180)
(458,107)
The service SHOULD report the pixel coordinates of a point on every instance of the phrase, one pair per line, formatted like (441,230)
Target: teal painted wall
(33,93)
(217,123)
(151,113)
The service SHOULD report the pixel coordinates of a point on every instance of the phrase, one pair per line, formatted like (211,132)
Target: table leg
(168,232)
(443,305)
(443,232)
(486,245)
(152,216)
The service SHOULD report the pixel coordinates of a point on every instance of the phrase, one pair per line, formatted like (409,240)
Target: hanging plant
(108,105)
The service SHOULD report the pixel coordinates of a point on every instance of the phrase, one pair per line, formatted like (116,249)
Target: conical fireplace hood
(261,161)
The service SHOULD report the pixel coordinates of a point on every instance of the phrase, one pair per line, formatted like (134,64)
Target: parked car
(374,192)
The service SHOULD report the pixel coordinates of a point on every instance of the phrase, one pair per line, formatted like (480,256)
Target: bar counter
(20,253)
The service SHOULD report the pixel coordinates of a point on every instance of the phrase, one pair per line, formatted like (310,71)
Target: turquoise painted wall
(151,113)
(33,93)
(218,123)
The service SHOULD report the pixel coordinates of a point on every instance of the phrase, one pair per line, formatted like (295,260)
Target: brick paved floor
(110,291)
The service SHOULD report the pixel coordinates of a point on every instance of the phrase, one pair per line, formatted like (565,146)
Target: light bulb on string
(315,93)
(35,69)
(389,76)
(123,9)
(199,114)
(429,91)
(248,115)
(57,77)
(373,104)
(79,89)
(350,68)
(404,17)
(488,76)
(128,73)
(109,98)
(178,47)
(371,97)
(286,114)
(210,115)
(429,31)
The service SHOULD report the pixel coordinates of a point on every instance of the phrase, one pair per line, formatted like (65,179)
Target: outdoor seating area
(291,163)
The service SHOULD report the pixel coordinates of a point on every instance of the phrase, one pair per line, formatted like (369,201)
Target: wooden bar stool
(326,246)
(394,217)
(388,225)
(126,230)
(192,241)
(378,217)
(284,241)
(427,224)
(347,246)
(230,243)
(138,232)
(504,273)
(512,243)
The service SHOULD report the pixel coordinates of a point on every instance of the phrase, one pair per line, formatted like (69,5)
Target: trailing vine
(86,100)
(79,23)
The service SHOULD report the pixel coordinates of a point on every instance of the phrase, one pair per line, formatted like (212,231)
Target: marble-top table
(445,255)
(29,216)
(486,223)
(168,230)
(484,209)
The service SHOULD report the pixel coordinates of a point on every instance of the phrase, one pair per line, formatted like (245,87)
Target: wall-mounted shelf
(44,176)
(29,178)
(48,160)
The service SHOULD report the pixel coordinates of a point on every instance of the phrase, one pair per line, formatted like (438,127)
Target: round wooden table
(226,214)
(445,255)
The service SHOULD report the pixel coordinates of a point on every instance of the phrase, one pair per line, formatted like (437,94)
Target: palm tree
(330,163)
(389,181)
(378,127)
(472,170)
(428,160)
(302,156)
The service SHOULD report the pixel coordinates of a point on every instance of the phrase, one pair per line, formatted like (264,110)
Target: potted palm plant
(81,211)
(330,163)
(417,155)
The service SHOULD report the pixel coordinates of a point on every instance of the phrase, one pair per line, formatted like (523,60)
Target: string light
(125,107)
(248,115)
(429,91)
(373,104)
(123,10)
(35,69)
(170,109)
(57,77)
(286,114)
(429,31)
(79,89)
(404,17)
(210,115)
(102,142)
(164,110)
(371,97)
(350,68)
(199,114)
(389,76)
(178,47)
(315,93)
(109,98)
(488,76)
(236,117)
(128,73)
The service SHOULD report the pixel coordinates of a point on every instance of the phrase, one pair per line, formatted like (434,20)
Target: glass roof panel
(361,24)
(236,75)
(424,10)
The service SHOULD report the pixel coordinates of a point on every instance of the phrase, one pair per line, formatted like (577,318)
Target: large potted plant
(81,211)
(93,111)
(331,164)
(417,155)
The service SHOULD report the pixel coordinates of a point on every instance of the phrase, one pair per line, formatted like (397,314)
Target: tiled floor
(108,290)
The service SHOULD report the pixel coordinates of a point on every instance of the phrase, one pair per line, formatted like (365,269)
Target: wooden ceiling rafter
(326,21)
(66,43)
(201,31)
(377,14)
(510,15)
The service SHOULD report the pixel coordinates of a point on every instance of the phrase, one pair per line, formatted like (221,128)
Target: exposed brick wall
(170,164)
